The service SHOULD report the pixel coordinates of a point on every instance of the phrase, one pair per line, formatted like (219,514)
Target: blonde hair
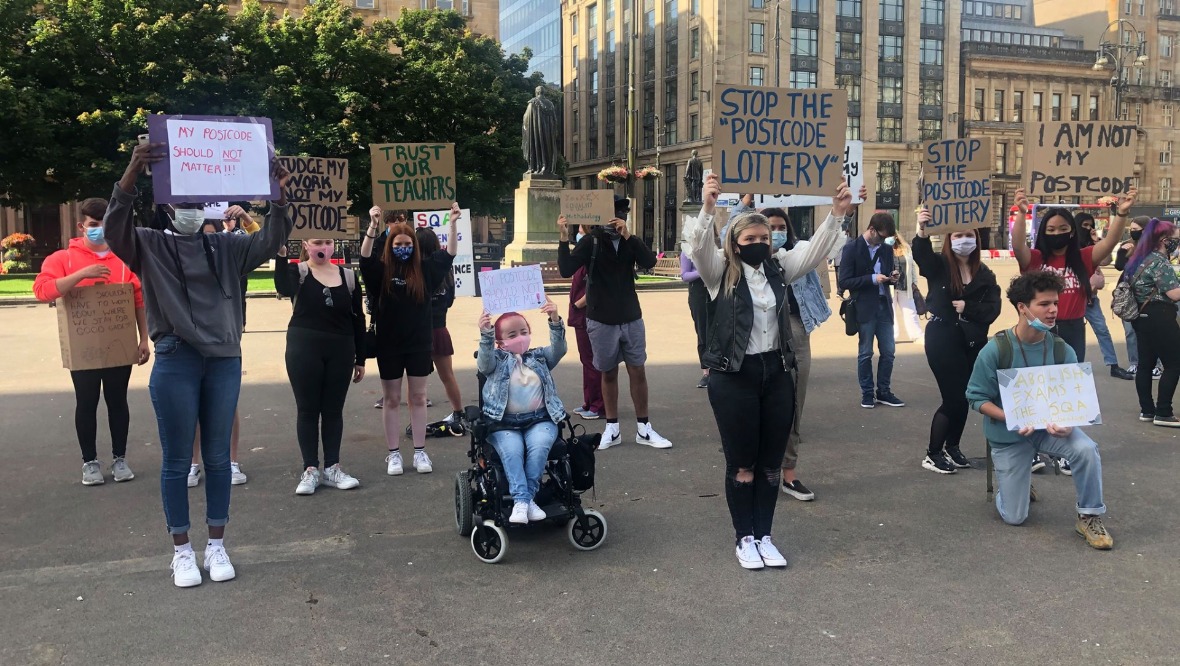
(733,263)
(900,247)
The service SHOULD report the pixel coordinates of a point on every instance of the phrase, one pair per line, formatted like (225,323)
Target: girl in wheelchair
(521,401)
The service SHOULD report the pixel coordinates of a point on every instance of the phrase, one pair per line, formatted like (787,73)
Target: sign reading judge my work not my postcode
(318,195)
(956,187)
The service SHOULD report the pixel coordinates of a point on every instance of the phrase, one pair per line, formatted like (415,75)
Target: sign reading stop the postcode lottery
(512,289)
(1063,395)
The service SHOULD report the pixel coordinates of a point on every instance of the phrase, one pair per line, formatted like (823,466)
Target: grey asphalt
(890,565)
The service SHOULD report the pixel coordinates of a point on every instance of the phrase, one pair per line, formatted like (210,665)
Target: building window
(670,133)
(932,12)
(804,42)
(694,44)
(757,38)
(1139,114)
(889,90)
(1165,78)
(1075,107)
(931,51)
(848,8)
(1038,105)
(998,106)
(576,159)
(802,79)
(1018,106)
(592,50)
(1018,157)
(1165,189)
(889,130)
(574,23)
(1165,46)
(890,48)
(804,6)
(1122,110)
(977,104)
(930,92)
(1127,7)
(1142,7)
(1055,108)
(592,17)
(610,41)
(694,127)
(889,177)
(757,76)
(757,4)
(610,12)
(852,130)
(1093,107)
(694,86)
(930,130)
(1167,110)
(1166,152)
(366,4)
(574,122)
(1001,151)
(892,10)
(850,83)
(848,45)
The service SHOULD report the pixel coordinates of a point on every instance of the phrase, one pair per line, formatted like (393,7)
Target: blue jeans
(524,452)
(881,327)
(1097,322)
(186,388)
(1132,344)
(1013,463)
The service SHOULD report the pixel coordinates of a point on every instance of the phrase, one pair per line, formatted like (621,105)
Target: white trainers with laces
(535,512)
(308,482)
(194,475)
(120,470)
(184,569)
(393,463)
(236,477)
(770,555)
(218,565)
(645,434)
(610,437)
(520,513)
(334,477)
(747,554)
(422,462)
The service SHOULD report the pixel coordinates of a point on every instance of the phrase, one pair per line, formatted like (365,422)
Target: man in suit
(867,271)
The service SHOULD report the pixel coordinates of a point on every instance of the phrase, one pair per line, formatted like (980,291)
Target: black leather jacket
(733,318)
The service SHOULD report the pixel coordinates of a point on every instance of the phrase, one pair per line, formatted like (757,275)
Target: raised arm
(453,229)
(806,257)
(1104,247)
(485,358)
(557,345)
(1020,246)
(569,261)
(699,235)
(253,251)
(929,263)
(120,232)
(372,232)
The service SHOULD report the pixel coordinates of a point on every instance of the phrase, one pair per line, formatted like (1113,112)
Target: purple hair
(1155,231)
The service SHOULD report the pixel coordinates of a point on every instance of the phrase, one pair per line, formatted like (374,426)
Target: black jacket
(733,317)
(610,295)
(858,277)
(981,297)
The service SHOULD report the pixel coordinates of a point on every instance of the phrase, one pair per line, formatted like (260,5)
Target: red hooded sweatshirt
(76,257)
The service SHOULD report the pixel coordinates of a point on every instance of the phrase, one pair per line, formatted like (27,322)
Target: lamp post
(1119,54)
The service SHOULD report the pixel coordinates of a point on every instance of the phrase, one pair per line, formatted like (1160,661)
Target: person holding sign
(751,356)
(325,349)
(521,400)
(191,289)
(402,281)
(87,261)
(1029,344)
(963,300)
(1156,289)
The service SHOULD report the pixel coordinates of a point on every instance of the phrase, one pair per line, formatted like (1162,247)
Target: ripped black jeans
(754,408)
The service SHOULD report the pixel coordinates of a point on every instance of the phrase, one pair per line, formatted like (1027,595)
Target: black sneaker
(1166,421)
(1063,465)
(797,490)
(890,400)
(704,383)
(937,462)
(1119,373)
(1146,416)
(1038,463)
(866,401)
(957,458)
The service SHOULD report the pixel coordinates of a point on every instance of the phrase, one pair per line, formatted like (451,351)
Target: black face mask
(754,254)
(1171,245)
(1057,241)
(1136,234)
(611,233)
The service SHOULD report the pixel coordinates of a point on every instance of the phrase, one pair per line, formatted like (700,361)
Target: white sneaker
(770,555)
(520,513)
(308,482)
(535,512)
(92,474)
(121,471)
(184,569)
(236,477)
(194,475)
(217,564)
(645,434)
(422,462)
(334,477)
(747,554)
(610,437)
(393,463)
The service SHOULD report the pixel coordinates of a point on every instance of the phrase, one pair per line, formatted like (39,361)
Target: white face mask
(963,246)
(188,220)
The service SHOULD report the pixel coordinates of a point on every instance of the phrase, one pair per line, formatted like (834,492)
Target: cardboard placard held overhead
(97,327)
(318,195)
(463,267)
(956,184)
(212,158)
(512,289)
(1063,395)
(1079,158)
(779,140)
(414,176)
(588,207)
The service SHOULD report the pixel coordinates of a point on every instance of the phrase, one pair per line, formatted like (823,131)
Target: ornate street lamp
(1119,54)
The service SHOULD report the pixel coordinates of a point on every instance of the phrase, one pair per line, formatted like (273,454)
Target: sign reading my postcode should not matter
(512,289)
(1063,395)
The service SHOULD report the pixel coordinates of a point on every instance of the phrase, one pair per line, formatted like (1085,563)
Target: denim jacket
(495,364)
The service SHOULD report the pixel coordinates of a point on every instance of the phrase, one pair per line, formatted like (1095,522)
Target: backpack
(349,280)
(1122,299)
(1004,348)
(580,446)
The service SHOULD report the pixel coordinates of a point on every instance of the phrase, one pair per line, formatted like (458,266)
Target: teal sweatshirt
(985,385)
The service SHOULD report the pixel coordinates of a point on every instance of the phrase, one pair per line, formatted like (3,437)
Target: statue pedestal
(534,237)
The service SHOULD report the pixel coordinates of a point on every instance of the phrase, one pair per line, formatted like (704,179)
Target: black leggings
(754,408)
(113,384)
(951,361)
(1073,331)
(1158,336)
(319,366)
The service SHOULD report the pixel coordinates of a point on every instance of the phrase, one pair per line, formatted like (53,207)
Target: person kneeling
(1029,344)
(519,397)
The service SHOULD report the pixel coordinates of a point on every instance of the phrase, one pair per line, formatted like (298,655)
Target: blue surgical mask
(96,235)
(1039,325)
(890,241)
(403,253)
(188,220)
(778,239)
(578,237)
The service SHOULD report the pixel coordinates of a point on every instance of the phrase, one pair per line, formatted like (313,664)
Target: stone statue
(539,137)
(694,179)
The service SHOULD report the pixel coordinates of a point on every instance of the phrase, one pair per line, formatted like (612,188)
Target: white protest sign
(216,158)
(1063,395)
(854,175)
(464,266)
(853,171)
(512,289)
(216,210)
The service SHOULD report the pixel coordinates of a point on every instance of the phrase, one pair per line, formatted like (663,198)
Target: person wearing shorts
(443,350)
(614,320)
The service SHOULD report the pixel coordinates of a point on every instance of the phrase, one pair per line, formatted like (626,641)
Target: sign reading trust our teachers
(212,158)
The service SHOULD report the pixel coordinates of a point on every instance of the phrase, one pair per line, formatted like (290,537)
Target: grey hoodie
(166,263)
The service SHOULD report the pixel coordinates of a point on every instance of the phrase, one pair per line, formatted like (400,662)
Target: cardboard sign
(853,170)
(956,184)
(779,140)
(1079,158)
(1063,395)
(318,195)
(589,207)
(414,176)
(97,327)
(212,158)
(512,289)
(464,265)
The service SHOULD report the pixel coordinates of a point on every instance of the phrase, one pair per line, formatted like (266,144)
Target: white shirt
(764,332)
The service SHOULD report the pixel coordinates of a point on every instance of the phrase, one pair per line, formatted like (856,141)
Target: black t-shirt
(403,323)
(610,275)
(344,316)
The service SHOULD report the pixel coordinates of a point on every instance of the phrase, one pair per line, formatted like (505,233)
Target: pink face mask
(517,345)
(322,253)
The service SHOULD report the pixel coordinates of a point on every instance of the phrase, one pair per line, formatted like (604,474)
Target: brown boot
(1092,529)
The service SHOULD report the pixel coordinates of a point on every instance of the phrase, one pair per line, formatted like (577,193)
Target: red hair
(504,318)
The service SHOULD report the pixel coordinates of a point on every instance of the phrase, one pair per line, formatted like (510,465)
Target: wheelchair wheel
(588,531)
(490,542)
(464,508)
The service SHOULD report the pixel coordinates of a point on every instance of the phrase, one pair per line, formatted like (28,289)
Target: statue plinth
(534,236)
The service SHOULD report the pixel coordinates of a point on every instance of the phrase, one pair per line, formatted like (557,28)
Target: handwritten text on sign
(512,289)
(212,159)
(588,207)
(97,327)
(416,176)
(1079,158)
(779,140)
(853,168)
(464,265)
(1063,395)
(318,195)
(956,184)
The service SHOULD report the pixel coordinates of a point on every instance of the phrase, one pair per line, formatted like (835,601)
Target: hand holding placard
(512,289)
